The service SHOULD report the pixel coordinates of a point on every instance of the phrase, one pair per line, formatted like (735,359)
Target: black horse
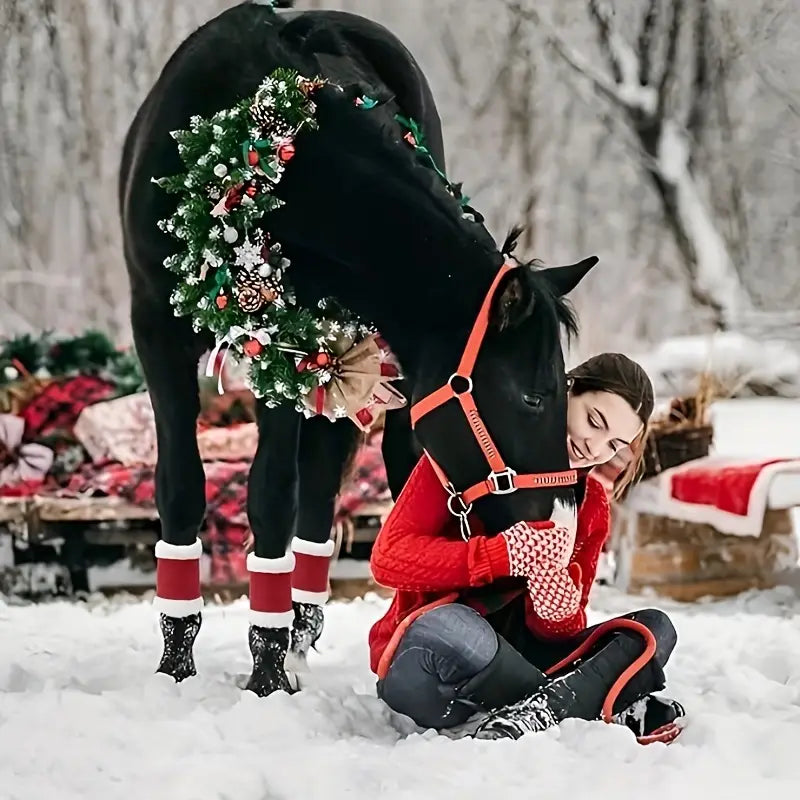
(365,220)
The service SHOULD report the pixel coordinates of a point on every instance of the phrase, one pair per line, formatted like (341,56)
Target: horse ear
(565,279)
(513,301)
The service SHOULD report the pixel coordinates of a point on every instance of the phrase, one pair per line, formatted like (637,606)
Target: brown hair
(618,374)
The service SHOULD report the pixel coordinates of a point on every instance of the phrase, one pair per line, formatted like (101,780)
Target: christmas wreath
(234,278)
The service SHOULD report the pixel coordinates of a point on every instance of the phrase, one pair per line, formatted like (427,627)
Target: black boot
(268,647)
(309,619)
(652,718)
(179,635)
(579,694)
(531,715)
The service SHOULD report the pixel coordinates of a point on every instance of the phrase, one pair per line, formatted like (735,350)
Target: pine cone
(270,123)
(253,291)
(248,291)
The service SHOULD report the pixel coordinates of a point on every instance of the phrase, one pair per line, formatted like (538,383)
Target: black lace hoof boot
(268,647)
(309,619)
(179,635)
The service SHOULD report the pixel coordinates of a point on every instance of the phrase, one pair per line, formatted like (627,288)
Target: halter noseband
(501,479)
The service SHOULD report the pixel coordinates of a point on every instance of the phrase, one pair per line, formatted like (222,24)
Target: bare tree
(667,116)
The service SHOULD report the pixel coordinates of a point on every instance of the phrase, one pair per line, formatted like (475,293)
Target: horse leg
(272,512)
(325,449)
(169,354)
(399,448)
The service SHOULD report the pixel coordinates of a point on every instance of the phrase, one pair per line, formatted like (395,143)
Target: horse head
(516,423)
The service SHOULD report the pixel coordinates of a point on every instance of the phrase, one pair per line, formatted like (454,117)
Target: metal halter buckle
(507,475)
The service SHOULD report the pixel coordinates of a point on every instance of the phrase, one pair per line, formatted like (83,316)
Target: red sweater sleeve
(594,526)
(419,549)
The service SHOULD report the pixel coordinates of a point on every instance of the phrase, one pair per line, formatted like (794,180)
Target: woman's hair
(618,374)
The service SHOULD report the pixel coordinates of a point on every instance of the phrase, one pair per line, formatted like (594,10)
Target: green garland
(91,353)
(233,276)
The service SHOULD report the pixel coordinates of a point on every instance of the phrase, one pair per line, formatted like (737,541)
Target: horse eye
(534,401)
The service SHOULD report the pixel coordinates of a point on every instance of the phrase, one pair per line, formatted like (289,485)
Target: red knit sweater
(420,553)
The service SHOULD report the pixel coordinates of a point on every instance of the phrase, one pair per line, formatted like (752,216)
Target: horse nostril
(533,401)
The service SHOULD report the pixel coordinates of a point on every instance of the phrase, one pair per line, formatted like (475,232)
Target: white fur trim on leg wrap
(179,552)
(307,548)
(273,565)
(178,608)
(271,619)
(315,598)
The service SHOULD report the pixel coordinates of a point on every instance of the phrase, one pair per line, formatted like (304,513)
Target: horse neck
(414,302)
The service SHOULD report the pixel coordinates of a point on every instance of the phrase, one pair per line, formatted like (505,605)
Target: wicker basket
(671,448)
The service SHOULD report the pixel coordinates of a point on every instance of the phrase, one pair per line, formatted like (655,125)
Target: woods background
(661,135)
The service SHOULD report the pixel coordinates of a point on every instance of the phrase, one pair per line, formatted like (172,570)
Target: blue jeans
(451,664)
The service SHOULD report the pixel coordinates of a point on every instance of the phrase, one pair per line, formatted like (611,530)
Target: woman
(493,630)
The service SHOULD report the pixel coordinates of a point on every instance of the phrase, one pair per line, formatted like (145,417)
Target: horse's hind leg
(169,355)
(325,449)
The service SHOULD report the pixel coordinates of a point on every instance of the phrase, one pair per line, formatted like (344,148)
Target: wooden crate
(686,561)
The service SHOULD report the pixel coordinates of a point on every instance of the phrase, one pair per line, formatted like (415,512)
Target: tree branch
(645,44)
(670,59)
(702,79)
(601,13)
(600,82)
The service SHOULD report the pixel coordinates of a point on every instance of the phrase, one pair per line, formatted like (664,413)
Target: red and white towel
(730,494)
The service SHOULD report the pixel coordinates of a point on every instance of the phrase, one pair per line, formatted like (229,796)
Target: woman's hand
(531,548)
(542,555)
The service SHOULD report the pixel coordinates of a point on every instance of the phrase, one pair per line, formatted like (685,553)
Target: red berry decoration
(221,301)
(252,157)
(286,152)
(233,197)
(250,191)
(322,359)
(252,347)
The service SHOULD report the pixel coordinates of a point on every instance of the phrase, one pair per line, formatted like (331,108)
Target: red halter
(502,479)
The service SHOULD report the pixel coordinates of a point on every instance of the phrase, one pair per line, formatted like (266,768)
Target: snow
(733,357)
(82,715)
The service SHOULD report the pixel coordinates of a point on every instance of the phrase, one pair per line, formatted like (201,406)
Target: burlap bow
(20,462)
(359,386)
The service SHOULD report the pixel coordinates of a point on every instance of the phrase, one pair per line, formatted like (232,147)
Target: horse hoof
(179,634)
(309,619)
(268,647)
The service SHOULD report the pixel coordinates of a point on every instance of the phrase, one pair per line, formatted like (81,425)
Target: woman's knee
(456,634)
(660,625)
(441,650)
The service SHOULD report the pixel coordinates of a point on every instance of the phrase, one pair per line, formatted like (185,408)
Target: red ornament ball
(221,301)
(252,157)
(252,347)
(322,359)
(286,152)
(250,191)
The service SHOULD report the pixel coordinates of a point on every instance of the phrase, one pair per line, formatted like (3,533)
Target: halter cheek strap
(501,479)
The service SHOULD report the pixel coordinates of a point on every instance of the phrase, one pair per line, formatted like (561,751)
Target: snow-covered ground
(83,716)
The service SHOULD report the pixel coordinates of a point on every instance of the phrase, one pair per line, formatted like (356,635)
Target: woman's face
(599,424)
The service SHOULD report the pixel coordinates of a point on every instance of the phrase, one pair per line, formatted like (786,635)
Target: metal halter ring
(466,378)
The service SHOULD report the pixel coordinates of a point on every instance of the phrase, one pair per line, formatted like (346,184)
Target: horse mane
(556,307)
